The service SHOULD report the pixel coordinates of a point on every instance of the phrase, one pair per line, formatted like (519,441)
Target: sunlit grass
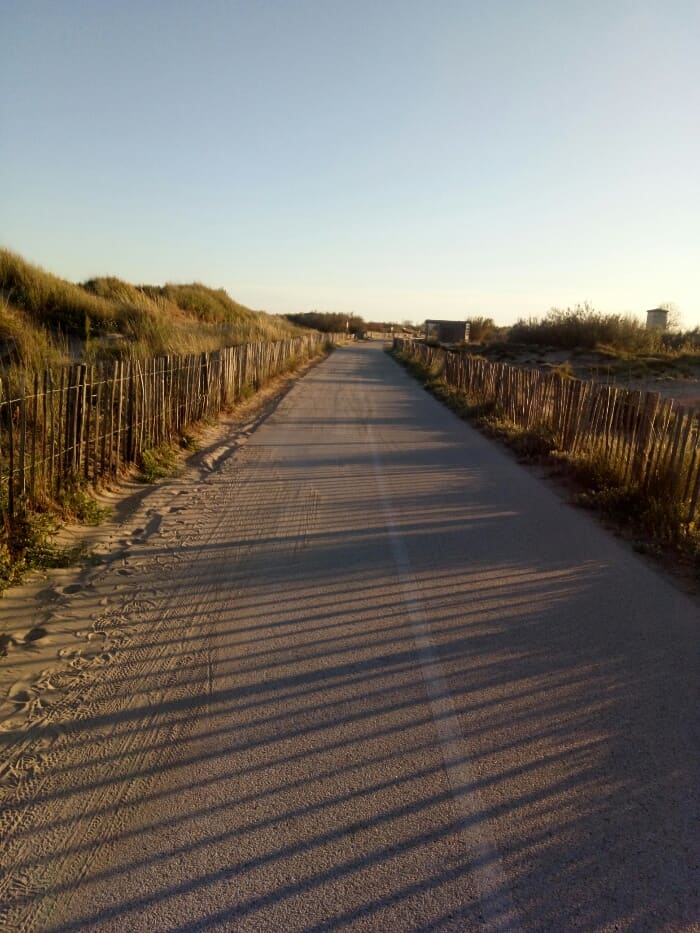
(46,321)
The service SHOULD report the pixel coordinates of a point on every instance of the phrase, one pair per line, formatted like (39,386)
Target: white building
(657,319)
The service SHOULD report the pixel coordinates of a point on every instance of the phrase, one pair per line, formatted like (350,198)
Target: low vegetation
(586,344)
(329,322)
(482,329)
(29,542)
(158,462)
(46,321)
(585,328)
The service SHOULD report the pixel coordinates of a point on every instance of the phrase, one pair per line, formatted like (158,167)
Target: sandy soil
(684,388)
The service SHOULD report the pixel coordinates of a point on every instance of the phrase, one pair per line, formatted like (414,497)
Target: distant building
(447,331)
(657,319)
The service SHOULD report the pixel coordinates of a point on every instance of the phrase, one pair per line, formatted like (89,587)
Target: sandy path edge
(34,667)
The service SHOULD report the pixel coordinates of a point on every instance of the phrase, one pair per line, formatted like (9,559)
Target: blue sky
(397,159)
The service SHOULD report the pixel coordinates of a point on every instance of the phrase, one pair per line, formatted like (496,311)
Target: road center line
(489,878)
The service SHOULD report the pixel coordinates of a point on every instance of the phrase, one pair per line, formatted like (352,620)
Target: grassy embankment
(645,515)
(47,322)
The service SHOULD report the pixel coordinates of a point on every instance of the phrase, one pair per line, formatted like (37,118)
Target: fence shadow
(285,770)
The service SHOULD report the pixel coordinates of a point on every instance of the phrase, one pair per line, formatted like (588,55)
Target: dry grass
(46,321)
(585,328)
(25,345)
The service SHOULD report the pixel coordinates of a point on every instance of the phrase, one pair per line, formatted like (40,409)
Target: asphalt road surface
(367,673)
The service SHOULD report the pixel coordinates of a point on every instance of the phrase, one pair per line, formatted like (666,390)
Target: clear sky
(397,159)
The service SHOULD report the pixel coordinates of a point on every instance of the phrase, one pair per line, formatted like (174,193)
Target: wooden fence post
(35,409)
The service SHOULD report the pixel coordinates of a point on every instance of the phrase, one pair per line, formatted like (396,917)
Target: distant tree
(481,328)
(329,322)
(674,321)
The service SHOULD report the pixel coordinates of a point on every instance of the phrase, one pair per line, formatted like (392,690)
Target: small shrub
(29,543)
(563,370)
(157,463)
(189,442)
(532,445)
(584,327)
(77,504)
(481,329)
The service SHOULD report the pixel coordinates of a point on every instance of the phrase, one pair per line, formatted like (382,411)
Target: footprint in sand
(66,652)
(6,642)
(20,694)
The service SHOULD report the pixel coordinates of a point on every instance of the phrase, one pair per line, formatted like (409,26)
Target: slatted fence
(84,423)
(644,440)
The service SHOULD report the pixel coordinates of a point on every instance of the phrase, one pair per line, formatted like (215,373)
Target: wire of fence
(83,423)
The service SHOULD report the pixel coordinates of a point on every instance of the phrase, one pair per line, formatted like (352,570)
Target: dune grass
(24,344)
(46,320)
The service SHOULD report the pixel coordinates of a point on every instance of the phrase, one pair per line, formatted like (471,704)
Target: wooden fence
(83,423)
(644,440)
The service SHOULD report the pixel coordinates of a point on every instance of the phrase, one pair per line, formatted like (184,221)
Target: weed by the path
(29,544)
(157,463)
(189,442)
(76,504)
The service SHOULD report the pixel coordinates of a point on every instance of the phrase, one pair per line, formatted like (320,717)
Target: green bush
(584,327)
(481,329)
(77,504)
(157,463)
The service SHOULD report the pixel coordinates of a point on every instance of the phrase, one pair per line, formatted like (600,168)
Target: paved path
(374,676)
